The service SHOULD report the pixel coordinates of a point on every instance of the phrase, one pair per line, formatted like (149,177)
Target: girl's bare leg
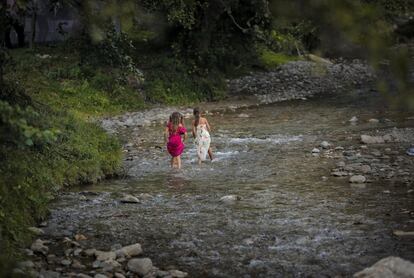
(210,154)
(172,162)
(179,162)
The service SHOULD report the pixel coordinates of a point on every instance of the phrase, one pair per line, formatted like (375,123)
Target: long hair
(175,121)
(197,115)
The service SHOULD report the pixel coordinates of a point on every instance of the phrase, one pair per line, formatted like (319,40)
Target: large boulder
(389,267)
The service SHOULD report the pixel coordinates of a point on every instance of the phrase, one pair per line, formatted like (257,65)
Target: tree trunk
(33,23)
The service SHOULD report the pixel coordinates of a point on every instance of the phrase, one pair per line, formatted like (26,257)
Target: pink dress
(175,145)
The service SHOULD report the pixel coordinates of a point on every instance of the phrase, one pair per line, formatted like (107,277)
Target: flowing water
(289,222)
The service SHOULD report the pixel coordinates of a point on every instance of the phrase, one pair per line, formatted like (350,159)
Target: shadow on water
(289,221)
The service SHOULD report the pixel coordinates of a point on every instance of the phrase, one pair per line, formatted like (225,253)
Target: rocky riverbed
(322,187)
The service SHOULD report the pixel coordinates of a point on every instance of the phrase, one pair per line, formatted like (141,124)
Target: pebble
(100,276)
(39,247)
(357,179)
(129,251)
(178,273)
(104,256)
(228,199)
(354,119)
(316,150)
(110,265)
(129,199)
(65,262)
(140,266)
(325,144)
(373,121)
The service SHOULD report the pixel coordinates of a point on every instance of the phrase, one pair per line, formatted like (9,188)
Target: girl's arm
(166,135)
(208,126)
(193,129)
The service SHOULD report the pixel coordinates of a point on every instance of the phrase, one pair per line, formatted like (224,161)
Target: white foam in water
(273,139)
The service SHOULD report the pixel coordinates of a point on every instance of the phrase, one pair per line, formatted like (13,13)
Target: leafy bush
(42,150)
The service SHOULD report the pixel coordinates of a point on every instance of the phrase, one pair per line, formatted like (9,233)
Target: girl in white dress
(201,133)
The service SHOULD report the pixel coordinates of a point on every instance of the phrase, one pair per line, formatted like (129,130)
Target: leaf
(29,142)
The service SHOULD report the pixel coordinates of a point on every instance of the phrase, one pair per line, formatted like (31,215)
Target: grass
(271,60)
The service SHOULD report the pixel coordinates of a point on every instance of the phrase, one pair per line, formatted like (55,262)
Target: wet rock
(229,199)
(140,266)
(403,233)
(78,265)
(25,265)
(366,139)
(110,265)
(100,276)
(243,115)
(357,179)
(36,231)
(129,251)
(39,247)
(162,273)
(340,164)
(389,267)
(339,173)
(325,145)
(89,252)
(119,275)
(373,121)
(365,169)
(354,119)
(49,274)
(316,150)
(77,252)
(81,275)
(65,262)
(129,199)
(178,273)
(79,237)
(104,256)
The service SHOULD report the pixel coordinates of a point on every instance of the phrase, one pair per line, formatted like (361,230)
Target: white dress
(202,141)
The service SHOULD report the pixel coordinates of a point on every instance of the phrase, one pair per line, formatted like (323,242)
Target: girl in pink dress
(173,131)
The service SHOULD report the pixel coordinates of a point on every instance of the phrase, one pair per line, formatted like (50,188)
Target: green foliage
(271,60)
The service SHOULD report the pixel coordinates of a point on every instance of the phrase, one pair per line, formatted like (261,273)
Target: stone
(25,265)
(39,247)
(357,179)
(373,121)
(89,252)
(388,138)
(340,164)
(388,267)
(119,275)
(104,256)
(403,233)
(140,266)
(129,251)
(354,119)
(36,231)
(325,145)
(243,115)
(80,237)
(365,169)
(339,173)
(316,150)
(49,274)
(110,265)
(65,262)
(77,252)
(366,139)
(178,273)
(230,199)
(100,276)
(129,199)
(78,265)
(81,275)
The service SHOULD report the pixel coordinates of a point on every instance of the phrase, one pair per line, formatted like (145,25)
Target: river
(293,218)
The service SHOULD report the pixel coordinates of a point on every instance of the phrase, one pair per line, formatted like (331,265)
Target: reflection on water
(289,221)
